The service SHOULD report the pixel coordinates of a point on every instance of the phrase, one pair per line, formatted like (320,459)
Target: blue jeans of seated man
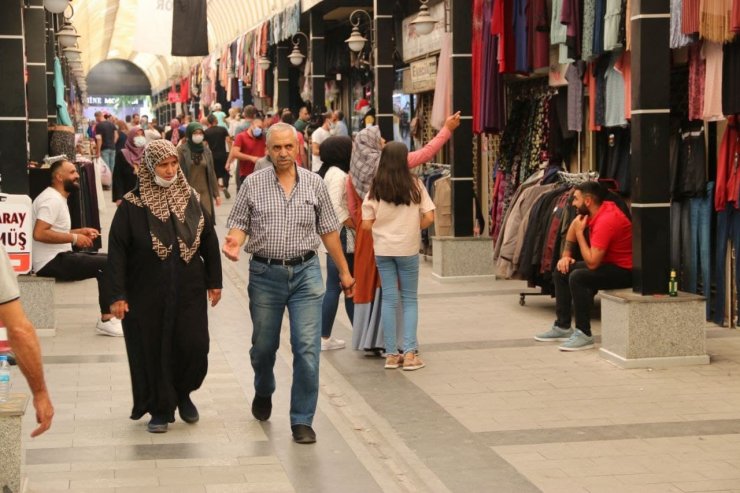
(701,218)
(109,157)
(400,272)
(728,230)
(300,289)
(334,290)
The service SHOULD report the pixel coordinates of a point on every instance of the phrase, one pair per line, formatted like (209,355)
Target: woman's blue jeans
(300,288)
(334,290)
(399,277)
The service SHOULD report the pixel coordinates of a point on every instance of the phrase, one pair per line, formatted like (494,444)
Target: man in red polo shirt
(248,147)
(607,264)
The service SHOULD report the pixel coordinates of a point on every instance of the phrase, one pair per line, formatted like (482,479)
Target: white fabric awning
(107,28)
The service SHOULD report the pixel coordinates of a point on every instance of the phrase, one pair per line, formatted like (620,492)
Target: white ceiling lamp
(296,57)
(67,36)
(423,23)
(356,40)
(264,63)
(73,54)
(56,6)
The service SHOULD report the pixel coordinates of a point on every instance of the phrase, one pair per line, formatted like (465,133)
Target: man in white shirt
(53,239)
(317,137)
(339,127)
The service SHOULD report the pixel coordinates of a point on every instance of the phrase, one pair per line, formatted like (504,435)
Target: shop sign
(421,76)
(16,230)
(109,101)
(416,46)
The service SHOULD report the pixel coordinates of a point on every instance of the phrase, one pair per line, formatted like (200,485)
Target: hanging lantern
(73,54)
(56,6)
(356,41)
(67,36)
(423,23)
(264,63)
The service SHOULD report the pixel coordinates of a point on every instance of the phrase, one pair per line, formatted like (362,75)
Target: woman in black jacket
(127,164)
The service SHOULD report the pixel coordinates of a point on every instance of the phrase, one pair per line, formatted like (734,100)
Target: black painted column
(461,157)
(650,150)
(385,76)
(318,61)
(51,102)
(283,76)
(13,125)
(34,19)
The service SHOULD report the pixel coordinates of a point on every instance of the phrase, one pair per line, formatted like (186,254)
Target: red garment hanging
(477,58)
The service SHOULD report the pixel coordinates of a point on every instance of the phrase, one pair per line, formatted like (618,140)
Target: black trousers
(575,291)
(73,266)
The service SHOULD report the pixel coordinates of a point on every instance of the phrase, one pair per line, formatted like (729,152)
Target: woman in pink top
(397,207)
(366,333)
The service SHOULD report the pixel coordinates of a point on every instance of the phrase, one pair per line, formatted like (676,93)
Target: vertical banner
(190,17)
(154,27)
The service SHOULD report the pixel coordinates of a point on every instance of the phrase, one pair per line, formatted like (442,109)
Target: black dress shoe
(157,424)
(262,407)
(303,434)
(188,411)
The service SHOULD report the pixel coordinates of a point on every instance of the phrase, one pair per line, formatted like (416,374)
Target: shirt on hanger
(731,77)
(712,53)
(574,76)
(611,24)
(624,67)
(697,73)
(615,115)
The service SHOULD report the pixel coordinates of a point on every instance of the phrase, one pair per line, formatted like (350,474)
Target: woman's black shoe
(188,411)
(157,424)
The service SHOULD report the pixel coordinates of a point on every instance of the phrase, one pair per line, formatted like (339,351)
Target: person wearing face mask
(248,148)
(196,161)
(128,161)
(607,264)
(53,240)
(164,265)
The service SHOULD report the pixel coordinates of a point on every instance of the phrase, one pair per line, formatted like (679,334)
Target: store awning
(108,27)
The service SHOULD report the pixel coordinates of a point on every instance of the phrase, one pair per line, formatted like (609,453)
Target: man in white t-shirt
(53,239)
(317,137)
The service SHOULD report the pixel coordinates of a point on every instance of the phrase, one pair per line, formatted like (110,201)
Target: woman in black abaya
(164,263)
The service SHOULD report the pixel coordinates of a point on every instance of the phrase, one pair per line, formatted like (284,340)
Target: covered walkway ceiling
(108,27)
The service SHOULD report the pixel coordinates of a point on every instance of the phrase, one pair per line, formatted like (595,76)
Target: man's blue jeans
(403,272)
(109,156)
(334,290)
(300,288)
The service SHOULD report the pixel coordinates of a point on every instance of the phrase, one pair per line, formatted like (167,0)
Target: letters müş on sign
(16,230)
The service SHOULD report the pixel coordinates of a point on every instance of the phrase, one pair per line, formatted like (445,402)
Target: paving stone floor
(493,411)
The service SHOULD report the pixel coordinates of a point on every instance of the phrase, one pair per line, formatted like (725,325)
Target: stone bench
(652,331)
(11,455)
(37,298)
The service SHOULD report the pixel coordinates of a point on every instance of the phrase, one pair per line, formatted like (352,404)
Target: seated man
(607,264)
(53,240)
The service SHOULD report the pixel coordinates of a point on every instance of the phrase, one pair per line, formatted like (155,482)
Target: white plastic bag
(106,178)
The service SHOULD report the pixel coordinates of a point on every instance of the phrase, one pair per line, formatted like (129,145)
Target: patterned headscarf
(175,126)
(132,153)
(179,199)
(192,128)
(365,159)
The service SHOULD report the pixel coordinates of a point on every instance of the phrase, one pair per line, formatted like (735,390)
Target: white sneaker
(111,327)
(331,343)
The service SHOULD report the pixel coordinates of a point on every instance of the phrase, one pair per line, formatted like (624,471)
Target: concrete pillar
(651,58)
(461,157)
(13,124)
(34,19)
(385,76)
(11,453)
(51,102)
(318,98)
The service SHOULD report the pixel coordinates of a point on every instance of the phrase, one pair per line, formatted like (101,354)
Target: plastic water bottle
(4,379)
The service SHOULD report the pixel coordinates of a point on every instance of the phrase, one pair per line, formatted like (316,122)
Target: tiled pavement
(493,411)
